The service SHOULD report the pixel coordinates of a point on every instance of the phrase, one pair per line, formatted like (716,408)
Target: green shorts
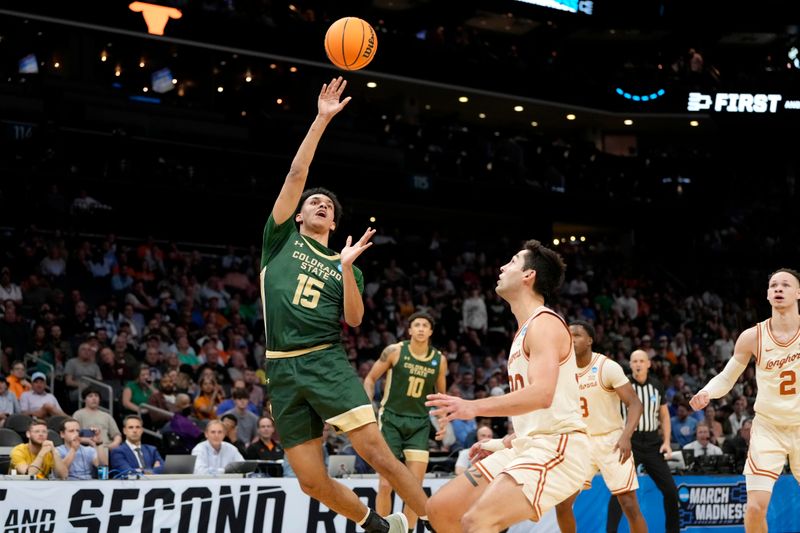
(314,388)
(407,436)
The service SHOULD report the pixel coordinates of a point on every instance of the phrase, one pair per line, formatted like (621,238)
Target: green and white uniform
(404,419)
(310,378)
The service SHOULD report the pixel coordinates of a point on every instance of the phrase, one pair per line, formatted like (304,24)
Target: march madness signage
(711,504)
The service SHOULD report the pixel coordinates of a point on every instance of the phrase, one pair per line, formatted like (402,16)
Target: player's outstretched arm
(328,105)
(546,342)
(353,304)
(723,382)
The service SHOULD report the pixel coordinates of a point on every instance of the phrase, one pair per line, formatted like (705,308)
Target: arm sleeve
(723,382)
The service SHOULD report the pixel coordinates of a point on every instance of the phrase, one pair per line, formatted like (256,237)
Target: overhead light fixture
(248,76)
(534,124)
(220,89)
(372,219)
(694,123)
(628,122)
(481,115)
(141,63)
(583,239)
(145,89)
(117,71)
(293,69)
(103,56)
(279,101)
(519,108)
(556,242)
(371,84)
(571,117)
(463,99)
(57,64)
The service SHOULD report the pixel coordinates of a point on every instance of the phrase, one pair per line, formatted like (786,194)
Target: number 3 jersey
(301,289)
(600,404)
(409,382)
(777,374)
(563,415)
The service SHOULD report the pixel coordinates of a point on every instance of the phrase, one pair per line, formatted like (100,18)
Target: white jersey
(599,402)
(778,377)
(563,415)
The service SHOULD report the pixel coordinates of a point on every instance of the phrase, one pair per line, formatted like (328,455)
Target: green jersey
(301,289)
(410,380)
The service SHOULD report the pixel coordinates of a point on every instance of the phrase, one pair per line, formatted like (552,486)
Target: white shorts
(550,468)
(619,477)
(769,446)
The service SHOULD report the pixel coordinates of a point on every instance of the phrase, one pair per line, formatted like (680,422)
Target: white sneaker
(398,523)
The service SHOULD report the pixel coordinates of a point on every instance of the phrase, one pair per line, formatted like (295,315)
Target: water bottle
(102,472)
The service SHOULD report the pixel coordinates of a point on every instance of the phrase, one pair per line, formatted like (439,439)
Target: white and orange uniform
(550,455)
(776,426)
(600,408)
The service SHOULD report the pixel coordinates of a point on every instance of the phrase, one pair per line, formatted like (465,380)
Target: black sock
(375,523)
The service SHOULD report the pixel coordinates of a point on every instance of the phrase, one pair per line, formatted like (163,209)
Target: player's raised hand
(351,251)
(700,400)
(329,102)
(449,408)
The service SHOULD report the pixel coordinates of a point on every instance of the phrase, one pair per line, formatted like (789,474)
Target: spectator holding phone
(82,451)
(138,392)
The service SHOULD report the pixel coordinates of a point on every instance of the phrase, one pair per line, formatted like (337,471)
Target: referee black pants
(645,447)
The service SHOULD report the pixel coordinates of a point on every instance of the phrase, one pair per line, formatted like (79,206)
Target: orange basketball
(350,43)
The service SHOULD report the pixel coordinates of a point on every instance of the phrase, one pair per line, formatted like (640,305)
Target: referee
(648,447)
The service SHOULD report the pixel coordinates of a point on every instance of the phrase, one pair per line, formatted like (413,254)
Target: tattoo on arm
(386,353)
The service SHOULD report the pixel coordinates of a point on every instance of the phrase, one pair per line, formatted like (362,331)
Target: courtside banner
(220,505)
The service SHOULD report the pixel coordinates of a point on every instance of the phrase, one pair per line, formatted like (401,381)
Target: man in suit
(132,454)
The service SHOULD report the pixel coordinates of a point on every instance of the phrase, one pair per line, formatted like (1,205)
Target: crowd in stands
(178,337)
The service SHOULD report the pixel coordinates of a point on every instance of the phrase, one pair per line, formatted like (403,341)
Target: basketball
(350,43)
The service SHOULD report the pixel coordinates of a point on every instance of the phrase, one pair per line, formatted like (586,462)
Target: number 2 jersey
(409,382)
(777,373)
(600,404)
(563,415)
(301,289)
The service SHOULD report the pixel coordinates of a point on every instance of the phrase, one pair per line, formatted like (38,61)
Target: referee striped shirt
(651,394)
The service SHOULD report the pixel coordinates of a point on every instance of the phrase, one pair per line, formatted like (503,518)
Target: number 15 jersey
(301,289)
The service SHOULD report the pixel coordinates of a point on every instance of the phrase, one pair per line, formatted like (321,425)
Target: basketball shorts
(407,436)
(314,388)
(549,468)
(770,444)
(619,477)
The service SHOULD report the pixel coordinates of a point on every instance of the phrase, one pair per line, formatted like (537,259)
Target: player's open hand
(624,447)
(328,103)
(351,250)
(700,400)
(449,408)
